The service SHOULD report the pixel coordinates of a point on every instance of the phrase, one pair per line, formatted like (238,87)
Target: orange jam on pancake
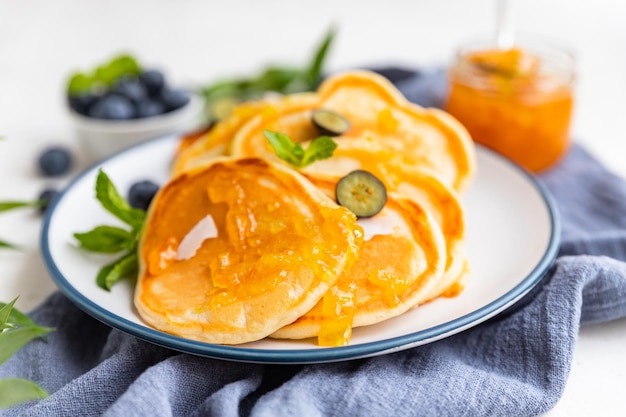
(379,117)
(273,246)
(400,261)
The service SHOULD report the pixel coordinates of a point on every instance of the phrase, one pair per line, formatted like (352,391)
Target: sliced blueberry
(362,193)
(81,103)
(141,194)
(46,197)
(174,99)
(113,107)
(153,81)
(149,108)
(130,88)
(55,161)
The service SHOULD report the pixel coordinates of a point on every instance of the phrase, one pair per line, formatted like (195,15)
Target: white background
(195,42)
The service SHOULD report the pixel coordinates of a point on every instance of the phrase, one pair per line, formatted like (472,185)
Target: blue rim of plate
(303,356)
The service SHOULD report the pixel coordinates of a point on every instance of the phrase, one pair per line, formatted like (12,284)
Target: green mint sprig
(103,76)
(113,239)
(12,205)
(16,330)
(320,148)
(279,79)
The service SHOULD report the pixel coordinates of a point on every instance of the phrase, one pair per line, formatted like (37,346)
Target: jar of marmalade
(517,101)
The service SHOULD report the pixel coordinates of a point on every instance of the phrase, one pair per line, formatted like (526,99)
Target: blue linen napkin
(516,364)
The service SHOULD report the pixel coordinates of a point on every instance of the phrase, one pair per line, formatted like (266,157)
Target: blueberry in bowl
(121,103)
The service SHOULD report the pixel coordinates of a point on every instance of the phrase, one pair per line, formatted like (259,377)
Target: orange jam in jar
(516,101)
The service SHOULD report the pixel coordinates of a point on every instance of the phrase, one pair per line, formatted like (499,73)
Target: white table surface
(194,42)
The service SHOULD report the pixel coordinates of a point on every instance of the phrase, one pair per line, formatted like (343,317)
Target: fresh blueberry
(55,161)
(81,103)
(141,194)
(174,99)
(131,88)
(153,81)
(113,107)
(46,197)
(149,108)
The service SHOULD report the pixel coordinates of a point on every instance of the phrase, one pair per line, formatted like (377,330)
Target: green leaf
(5,311)
(285,148)
(321,148)
(120,66)
(115,271)
(315,67)
(114,203)
(279,79)
(79,83)
(103,75)
(106,239)
(11,205)
(13,340)
(7,245)
(14,391)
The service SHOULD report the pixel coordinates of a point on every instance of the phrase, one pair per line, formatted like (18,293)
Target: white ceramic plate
(513,235)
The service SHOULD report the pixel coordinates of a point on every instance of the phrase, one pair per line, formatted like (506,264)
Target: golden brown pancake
(234,250)
(401,260)
(444,204)
(382,121)
(217,141)
(247,281)
(439,199)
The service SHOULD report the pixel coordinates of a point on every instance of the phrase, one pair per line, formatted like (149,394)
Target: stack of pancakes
(239,245)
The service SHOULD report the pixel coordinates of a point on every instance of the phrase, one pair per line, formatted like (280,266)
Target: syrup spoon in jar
(505,31)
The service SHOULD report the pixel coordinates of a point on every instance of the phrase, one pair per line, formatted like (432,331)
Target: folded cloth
(515,364)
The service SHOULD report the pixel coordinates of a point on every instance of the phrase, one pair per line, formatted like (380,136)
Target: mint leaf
(79,83)
(104,75)
(321,148)
(114,203)
(285,148)
(5,311)
(7,245)
(115,271)
(17,330)
(11,205)
(120,66)
(106,239)
(14,339)
(14,391)
(314,72)
(112,239)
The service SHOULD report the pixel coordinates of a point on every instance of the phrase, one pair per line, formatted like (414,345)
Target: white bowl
(101,138)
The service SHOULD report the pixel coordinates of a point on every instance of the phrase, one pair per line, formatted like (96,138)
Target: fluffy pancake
(234,250)
(194,151)
(217,141)
(381,119)
(439,199)
(379,286)
(443,203)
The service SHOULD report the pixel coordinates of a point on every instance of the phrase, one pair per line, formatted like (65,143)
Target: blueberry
(141,194)
(81,103)
(153,81)
(174,99)
(149,108)
(46,197)
(113,107)
(55,161)
(130,88)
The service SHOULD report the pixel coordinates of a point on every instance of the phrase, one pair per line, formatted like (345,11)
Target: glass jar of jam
(517,101)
